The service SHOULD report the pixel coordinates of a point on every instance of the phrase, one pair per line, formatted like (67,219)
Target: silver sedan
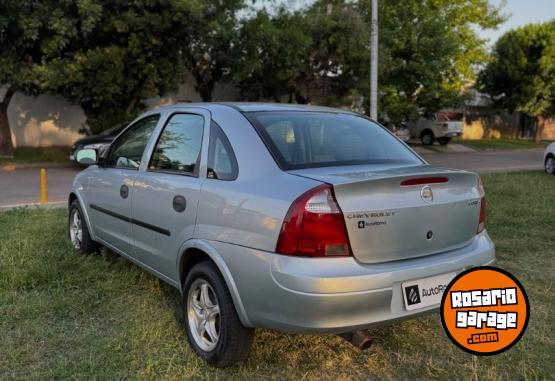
(300,219)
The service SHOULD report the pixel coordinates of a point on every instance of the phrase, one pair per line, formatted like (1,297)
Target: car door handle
(179,203)
(124,191)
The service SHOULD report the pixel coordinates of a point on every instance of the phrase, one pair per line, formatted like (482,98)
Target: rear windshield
(300,139)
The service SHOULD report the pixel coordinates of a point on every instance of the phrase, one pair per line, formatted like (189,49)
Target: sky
(521,12)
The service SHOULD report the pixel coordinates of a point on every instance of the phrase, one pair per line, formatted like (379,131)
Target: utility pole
(374,61)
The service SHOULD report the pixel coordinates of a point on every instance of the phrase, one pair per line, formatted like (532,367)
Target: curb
(12,167)
(35,205)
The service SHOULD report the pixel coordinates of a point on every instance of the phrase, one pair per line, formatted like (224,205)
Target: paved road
(489,161)
(22,186)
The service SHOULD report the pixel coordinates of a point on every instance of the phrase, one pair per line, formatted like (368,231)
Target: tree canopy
(104,56)
(270,53)
(428,51)
(521,73)
(109,56)
(115,54)
(207,48)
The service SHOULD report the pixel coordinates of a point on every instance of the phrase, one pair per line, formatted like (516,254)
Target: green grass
(68,316)
(501,144)
(27,155)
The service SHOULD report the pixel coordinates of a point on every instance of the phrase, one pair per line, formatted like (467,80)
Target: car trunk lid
(391,215)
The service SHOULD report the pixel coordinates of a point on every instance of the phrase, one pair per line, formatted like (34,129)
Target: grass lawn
(26,155)
(63,315)
(500,144)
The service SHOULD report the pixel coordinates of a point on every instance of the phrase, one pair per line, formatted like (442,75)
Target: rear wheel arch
(427,136)
(72,197)
(199,251)
(189,259)
(427,131)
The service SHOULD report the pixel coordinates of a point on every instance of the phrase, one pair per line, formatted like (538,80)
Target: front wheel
(427,138)
(79,232)
(211,322)
(550,165)
(443,141)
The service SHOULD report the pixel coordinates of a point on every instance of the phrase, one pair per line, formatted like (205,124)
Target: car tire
(219,338)
(549,164)
(443,141)
(79,231)
(427,138)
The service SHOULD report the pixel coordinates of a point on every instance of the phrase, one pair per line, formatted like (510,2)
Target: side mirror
(87,157)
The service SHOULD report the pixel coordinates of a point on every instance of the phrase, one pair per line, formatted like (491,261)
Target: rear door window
(178,147)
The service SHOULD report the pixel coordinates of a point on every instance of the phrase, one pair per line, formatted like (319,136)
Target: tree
(338,51)
(207,48)
(521,73)
(122,52)
(104,56)
(18,47)
(305,54)
(270,54)
(429,50)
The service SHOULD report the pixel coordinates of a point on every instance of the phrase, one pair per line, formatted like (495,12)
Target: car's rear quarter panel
(247,211)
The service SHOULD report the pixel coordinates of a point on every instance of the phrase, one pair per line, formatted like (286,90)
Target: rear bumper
(335,295)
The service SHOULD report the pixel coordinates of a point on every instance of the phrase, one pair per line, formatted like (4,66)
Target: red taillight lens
(482,219)
(314,226)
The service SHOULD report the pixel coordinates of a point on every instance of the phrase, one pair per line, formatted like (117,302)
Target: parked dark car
(96,141)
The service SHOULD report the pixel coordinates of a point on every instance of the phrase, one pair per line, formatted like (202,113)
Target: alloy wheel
(550,165)
(427,139)
(203,313)
(76,229)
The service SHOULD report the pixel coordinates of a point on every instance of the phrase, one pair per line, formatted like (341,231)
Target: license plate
(425,292)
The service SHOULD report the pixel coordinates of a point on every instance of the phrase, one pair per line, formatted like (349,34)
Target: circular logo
(427,194)
(485,310)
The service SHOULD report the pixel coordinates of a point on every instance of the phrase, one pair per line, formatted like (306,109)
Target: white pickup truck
(441,127)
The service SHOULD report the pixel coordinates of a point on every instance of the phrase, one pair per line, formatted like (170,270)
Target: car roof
(259,106)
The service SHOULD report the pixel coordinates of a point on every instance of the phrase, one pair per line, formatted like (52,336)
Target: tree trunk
(6,146)
(204,86)
(131,105)
(205,92)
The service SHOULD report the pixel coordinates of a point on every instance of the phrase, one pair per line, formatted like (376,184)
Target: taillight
(314,226)
(482,218)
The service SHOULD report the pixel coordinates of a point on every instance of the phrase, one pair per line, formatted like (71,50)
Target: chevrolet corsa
(299,219)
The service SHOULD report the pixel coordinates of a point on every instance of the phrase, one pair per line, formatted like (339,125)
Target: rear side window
(222,164)
(300,139)
(178,147)
(127,151)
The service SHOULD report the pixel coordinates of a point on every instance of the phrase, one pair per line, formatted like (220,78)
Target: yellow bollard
(43,194)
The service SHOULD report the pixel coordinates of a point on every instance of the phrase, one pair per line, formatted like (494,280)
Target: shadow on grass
(172,300)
